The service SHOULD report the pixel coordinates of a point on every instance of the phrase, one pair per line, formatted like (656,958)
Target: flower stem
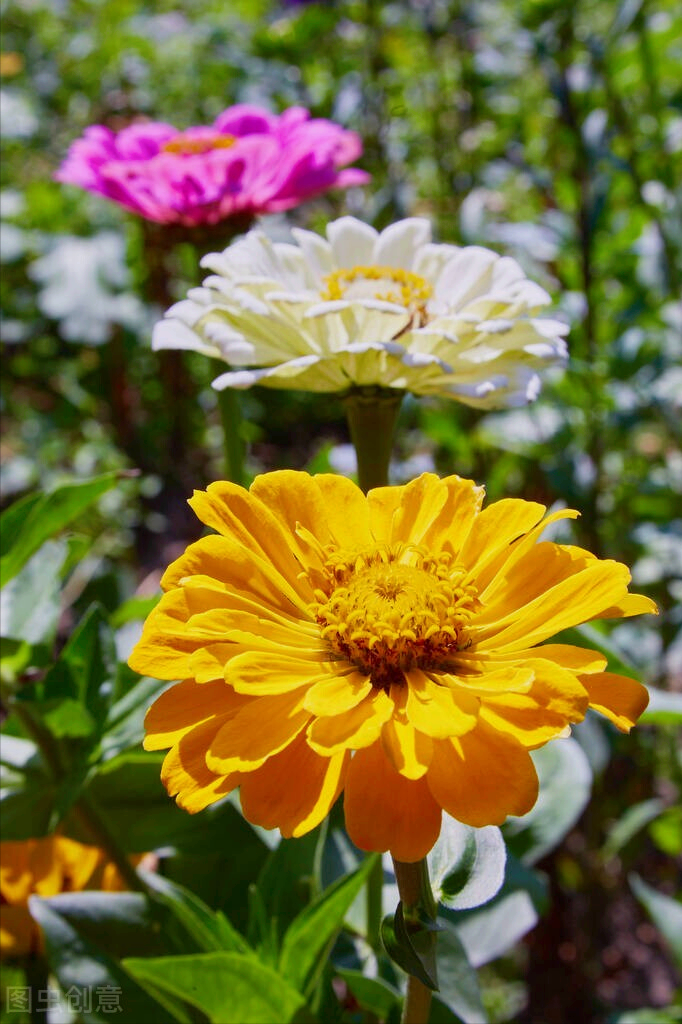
(417,899)
(372,414)
(234,449)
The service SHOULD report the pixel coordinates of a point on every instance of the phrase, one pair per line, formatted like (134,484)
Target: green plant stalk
(417,899)
(84,809)
(234,448)
(372,414)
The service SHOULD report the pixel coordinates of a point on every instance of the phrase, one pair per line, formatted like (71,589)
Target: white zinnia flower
(365,309)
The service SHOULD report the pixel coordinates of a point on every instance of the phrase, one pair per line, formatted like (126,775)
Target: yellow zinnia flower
(389,645)
(45,867)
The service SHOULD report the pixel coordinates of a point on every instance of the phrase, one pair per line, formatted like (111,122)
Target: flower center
(394,609)
(391,284)
(192,142)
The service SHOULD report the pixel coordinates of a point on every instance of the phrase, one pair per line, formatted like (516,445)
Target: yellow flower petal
(621,699)
(184,706)
(386,811)
(225,558)
(408,750)
(260,729)
(438,710)
(186,776)
(241,516)
(337,693)
(294,790)
(571,601)
(261,673)
(357,728)
(483,777)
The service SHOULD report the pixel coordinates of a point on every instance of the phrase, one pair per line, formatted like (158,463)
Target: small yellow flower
(389,645)
(45,867)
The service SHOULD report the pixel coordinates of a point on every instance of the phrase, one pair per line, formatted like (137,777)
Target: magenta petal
(202,176)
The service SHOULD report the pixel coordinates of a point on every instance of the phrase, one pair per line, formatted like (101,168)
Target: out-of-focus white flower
(83,286)
(368,309)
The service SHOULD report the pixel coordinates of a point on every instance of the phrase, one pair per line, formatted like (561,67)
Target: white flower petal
(398,244)
(352,242)
(317,251)
(176,334)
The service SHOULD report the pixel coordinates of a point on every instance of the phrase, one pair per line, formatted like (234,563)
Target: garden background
(548,131)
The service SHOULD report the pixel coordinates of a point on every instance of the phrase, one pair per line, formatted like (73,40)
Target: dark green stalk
(417,901)
(372,414)
(234,447)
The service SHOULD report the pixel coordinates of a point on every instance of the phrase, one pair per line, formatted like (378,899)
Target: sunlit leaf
(26,528)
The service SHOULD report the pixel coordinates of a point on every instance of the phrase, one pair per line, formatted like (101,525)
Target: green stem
(372,415)
(417,899)
(37,980)
(375,887)
(234,448)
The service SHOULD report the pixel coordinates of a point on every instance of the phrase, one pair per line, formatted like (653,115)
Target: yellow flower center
(187,144)
(391,284)
(394,609)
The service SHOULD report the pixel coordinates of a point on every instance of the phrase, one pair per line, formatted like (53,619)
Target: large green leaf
(287,880)
(489,931)
(29,604)
(86,669)
(315,928)
(123,728)
(466,866)
(211,930)
(229,988)
(457,982)
(84,966)
(28,524)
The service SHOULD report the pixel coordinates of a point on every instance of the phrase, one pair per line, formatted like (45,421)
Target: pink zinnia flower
(248,162)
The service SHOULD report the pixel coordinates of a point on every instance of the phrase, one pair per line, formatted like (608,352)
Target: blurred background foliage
(549,131)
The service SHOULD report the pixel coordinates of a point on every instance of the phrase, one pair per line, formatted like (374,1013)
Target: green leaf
(133,610)
(316,927)
(82,965)
(27,790)
(565,788)
(372,994)
(73,697)
(38,517)
(210,929)
(665,912)
(29,604)
(489,931)
(457,981)
(412,947)
(287,879)
(666,831)
(229,988)
(466,865)
(632,821)
(664,708)
(124,725)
